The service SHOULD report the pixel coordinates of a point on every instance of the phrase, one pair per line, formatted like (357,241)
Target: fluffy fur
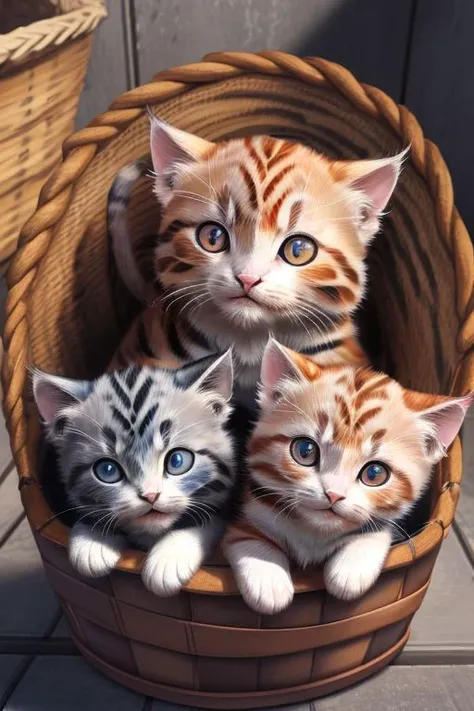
(142,422)
(359,423)
(228,211)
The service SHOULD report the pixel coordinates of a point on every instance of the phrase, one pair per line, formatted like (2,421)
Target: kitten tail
(119,197)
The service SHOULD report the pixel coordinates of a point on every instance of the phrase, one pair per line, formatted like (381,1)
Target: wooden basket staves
(204,647)
(42,69)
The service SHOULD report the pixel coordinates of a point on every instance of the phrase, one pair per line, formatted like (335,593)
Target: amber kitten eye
(304,451)
(298,250)
(212,237)
(374,474)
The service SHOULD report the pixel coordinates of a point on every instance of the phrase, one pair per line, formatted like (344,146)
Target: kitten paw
(266,588)
(353,570)
(171,563)
(93,555)
(263,576)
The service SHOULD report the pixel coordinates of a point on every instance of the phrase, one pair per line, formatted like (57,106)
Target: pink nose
(334,496)
(151,497)
(248,281)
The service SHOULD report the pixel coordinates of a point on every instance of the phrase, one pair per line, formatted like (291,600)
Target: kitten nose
(248,281)
(151,497)
(334,496)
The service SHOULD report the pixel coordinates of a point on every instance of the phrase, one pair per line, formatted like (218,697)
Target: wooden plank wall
(418,51)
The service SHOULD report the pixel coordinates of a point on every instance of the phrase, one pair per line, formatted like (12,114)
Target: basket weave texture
(42,69)
(67,311)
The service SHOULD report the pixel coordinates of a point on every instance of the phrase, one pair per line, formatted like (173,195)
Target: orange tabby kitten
(338,457)
(258,235)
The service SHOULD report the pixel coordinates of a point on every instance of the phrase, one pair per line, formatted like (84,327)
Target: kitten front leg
(262,572)
(92,554)
(355,567)
(173,561)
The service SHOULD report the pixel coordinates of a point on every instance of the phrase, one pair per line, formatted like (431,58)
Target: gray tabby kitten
(145,458)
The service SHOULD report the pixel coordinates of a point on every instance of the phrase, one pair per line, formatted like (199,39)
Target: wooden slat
(107,73)
(367,36)
(440,90)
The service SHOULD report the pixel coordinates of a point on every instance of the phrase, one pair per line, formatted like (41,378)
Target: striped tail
(119,197)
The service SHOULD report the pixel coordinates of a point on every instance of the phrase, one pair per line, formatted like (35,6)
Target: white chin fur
(154,527)
(246,314)
(328,524)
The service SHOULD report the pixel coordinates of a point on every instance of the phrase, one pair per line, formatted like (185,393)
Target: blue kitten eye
(212,237)
(108,471)
(298,250)
(374,474)
(179,461)
(305,451)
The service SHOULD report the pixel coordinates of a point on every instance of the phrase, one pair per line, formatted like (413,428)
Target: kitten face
(262,229)
(352,446)
(141,447)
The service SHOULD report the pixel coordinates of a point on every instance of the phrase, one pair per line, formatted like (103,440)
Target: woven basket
(42,69)
(205,647)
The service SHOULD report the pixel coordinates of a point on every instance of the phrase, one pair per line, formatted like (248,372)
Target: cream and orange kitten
(338,457)
(258,235)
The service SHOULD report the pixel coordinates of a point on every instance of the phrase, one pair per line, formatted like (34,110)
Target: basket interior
(78,308)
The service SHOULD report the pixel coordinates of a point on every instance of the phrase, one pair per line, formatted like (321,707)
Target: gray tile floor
(41,671)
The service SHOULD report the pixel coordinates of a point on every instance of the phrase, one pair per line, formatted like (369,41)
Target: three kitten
(258,236)
(145,458)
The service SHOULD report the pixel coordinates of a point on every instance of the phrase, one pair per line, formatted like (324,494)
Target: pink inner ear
(378,185)
(164,149)
(50,400)
(276,365)
(448,419)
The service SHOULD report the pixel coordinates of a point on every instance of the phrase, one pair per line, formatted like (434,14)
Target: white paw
(262,574)
(353,570)
(171,563)
(92,555)
(266,587)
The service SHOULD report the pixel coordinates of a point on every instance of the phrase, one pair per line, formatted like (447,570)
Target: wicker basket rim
(79,151)
(17,46)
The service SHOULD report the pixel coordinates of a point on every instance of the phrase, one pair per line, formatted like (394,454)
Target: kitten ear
(170,147)
(281,364)
(54,393)
(445,419)
(277,365)
(376,180)
(209,375)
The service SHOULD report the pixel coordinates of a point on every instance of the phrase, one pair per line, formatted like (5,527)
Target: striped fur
(261,191)
(324,512)
(134,419)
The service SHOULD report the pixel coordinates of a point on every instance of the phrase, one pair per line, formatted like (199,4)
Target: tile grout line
(464,542)
(15,680)
(36,645)
(12,528)
(8,469)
